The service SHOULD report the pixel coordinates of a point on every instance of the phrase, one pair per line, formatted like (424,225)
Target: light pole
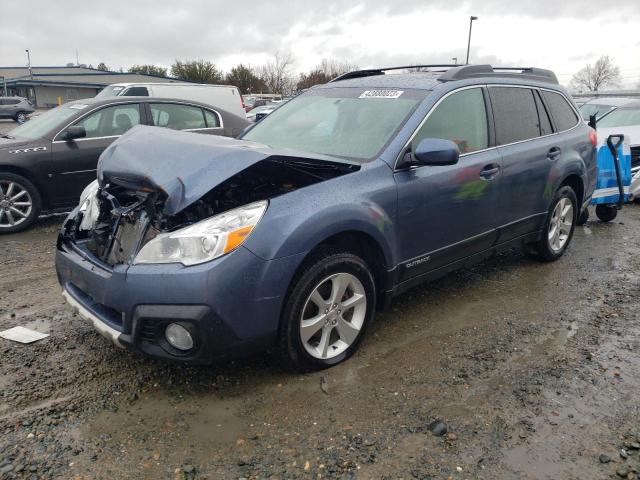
(471,19)
(29,63)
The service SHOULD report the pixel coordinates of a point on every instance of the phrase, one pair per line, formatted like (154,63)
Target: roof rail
(380,71)
(450,72)
(475,71)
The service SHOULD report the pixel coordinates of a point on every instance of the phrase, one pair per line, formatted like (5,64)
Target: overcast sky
(562,35)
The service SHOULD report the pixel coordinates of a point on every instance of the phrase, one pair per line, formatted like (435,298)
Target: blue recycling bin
(614,176)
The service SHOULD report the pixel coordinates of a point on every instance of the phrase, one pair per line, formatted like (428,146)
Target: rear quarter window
(563,115)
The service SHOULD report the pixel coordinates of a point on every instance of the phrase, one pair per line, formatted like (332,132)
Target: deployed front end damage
(187,192)
(131,257)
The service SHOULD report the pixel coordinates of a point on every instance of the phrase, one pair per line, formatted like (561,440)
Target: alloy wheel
(333,316)
(560,224)
(16,204)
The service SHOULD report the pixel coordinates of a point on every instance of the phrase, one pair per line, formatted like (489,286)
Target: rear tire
(330,305)
(19,203)
(558,227)
(606,213)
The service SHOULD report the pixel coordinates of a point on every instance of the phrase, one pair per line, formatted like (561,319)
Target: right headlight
(205,240)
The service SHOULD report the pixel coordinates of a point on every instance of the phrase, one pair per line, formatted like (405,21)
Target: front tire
(558,228)
(330,305)
(19,203)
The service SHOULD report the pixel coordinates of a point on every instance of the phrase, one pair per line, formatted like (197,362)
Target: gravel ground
(511,369)
(6,125)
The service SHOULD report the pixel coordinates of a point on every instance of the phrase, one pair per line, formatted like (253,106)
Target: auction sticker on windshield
(381,93)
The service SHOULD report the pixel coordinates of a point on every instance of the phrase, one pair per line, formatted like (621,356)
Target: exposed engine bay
(127,218)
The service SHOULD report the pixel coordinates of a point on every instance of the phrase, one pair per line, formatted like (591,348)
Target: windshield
(110,91)
(346,122)
(622,117)
(598,110)
(40,125)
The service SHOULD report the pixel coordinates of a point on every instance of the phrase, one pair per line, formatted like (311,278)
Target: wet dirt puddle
(193,429)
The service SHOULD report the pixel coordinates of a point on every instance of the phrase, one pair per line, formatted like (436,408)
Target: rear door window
(462,118)
(564,117)
(177,116)
(515,114)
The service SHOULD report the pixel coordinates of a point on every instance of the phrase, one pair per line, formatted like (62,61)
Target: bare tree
(593,77)
(333,68)
(326,71)
(276,73)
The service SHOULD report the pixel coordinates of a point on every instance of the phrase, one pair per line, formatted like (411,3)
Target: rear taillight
(242,102)
(593,136)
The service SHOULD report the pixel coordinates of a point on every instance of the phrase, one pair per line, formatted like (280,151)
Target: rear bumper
(230,305)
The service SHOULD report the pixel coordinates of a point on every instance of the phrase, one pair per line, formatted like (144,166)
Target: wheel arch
(362,244)
(575,181)
(44,201)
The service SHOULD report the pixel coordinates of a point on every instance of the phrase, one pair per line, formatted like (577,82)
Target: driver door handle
(489,171)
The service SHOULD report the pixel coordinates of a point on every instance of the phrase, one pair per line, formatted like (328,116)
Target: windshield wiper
(6,135)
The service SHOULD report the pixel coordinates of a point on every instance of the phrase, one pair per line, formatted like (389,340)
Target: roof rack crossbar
(380,71)
(475,71)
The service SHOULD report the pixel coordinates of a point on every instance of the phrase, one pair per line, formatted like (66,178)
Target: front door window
(111,121)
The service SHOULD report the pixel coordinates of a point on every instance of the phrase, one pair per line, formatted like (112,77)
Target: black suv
(46,163)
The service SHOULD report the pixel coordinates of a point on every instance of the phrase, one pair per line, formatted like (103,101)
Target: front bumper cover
(231,304)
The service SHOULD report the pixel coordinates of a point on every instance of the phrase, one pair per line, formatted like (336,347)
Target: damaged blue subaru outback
(198,248)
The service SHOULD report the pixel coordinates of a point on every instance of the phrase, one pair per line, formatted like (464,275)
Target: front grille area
(126,240)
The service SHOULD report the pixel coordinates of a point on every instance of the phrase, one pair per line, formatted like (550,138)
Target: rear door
(446,213)
(190,118)
(528,150)
(74,162)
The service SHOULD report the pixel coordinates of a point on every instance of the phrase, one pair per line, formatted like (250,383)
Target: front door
(446,213)
(74,162)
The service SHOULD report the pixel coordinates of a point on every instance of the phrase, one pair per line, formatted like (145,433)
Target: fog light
(178,337)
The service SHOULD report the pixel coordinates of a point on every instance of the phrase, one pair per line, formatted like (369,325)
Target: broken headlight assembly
(205,240)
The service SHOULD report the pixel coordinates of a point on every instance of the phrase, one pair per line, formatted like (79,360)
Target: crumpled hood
(185,166)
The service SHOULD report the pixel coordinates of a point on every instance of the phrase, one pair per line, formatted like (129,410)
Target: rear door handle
(489,171)
(553,153)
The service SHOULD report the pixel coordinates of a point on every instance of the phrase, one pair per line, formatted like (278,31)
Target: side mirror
(75,131)
(436,151)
